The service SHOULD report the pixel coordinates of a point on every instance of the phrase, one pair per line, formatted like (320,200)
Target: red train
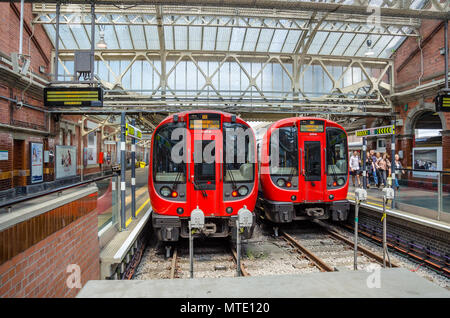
(205,160)
(304,170)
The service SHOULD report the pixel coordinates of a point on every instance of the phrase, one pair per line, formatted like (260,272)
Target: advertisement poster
(91,154)
(37,162)
(427,158)
(66,161)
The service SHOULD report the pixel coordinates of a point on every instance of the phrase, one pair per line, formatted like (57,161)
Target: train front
(304,170)
(202,160)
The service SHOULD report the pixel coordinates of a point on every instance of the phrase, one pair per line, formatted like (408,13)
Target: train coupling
(315,212)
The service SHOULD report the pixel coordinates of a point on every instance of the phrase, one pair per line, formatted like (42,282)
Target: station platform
(118,247)
(394,283)
(412,204)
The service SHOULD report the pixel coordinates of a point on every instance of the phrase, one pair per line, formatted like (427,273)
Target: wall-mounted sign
(3,154)
(66,161)
(109,142)
(442,102)
(133,132)
(427,158)
(376,131)
(37,162)
(73,96)
(91,156)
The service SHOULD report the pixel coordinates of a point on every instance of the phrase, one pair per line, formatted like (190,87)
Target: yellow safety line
(137,212)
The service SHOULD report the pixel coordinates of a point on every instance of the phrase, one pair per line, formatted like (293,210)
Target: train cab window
(166,168)
(337,162)
(238,153)
(284,141)
(313,166)
(205,161)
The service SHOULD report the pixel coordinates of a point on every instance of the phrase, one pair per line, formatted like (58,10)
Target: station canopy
(261,60)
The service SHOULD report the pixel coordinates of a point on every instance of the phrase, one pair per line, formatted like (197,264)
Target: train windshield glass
(337,162)
(284,151)
(238,153)
(205,161)
(168,166)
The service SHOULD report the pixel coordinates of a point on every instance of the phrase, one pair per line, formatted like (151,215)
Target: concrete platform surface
(393,283)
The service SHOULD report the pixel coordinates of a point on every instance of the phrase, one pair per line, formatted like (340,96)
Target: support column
(123,167)
(92,40)
(133,174)
(56,65)
(364,168)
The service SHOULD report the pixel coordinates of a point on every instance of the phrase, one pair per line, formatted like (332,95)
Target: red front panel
(204,188)
(312,177)
(213,204)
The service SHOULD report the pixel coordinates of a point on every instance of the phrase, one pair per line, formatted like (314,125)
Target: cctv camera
(369,43)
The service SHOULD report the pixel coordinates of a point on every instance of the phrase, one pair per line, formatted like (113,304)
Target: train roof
(188,112)
(285,121)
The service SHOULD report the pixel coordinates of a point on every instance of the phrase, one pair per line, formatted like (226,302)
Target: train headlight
(165,191)
(340,181)
(281,182)
(243,191)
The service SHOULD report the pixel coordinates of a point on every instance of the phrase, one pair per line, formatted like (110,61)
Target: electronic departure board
(73,96)
(311,126)
(204,121)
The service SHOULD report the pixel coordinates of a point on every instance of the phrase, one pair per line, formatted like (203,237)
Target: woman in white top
(355,167)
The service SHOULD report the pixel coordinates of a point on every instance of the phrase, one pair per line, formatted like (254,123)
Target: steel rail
(362,249)
(174,263)
(243,270)
(310,255)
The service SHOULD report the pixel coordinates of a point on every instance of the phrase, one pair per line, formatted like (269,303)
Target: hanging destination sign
(376,131)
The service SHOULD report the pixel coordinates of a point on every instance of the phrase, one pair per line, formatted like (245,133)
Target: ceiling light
(101,44)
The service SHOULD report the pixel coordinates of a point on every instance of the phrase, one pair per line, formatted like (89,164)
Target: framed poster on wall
(36,162)
(66,161)
(427,158)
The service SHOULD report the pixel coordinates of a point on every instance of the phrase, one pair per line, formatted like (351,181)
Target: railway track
(211,259)
(329,251)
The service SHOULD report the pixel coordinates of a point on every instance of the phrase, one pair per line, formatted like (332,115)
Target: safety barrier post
(388,194)
(115,199)
(439,196)
(360,195)
(244,220)
(197,221)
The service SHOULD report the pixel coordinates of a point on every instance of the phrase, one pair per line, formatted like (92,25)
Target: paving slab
(393,283)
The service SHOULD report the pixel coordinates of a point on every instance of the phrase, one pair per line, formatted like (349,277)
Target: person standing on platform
(383,168)
(355,167)
(398,170)
(368,168)
(378,169)
(374,168)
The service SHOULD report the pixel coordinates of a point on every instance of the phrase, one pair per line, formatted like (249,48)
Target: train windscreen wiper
(197,185)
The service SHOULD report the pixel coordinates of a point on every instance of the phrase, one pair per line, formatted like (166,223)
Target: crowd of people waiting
(378,167)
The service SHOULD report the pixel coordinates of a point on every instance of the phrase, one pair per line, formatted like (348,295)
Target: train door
(205,187)
(312,144)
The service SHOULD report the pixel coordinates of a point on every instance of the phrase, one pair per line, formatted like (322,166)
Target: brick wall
(41,270)
(40,46)
(407,74)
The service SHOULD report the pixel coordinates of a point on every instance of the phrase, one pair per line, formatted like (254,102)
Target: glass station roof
(228,30)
